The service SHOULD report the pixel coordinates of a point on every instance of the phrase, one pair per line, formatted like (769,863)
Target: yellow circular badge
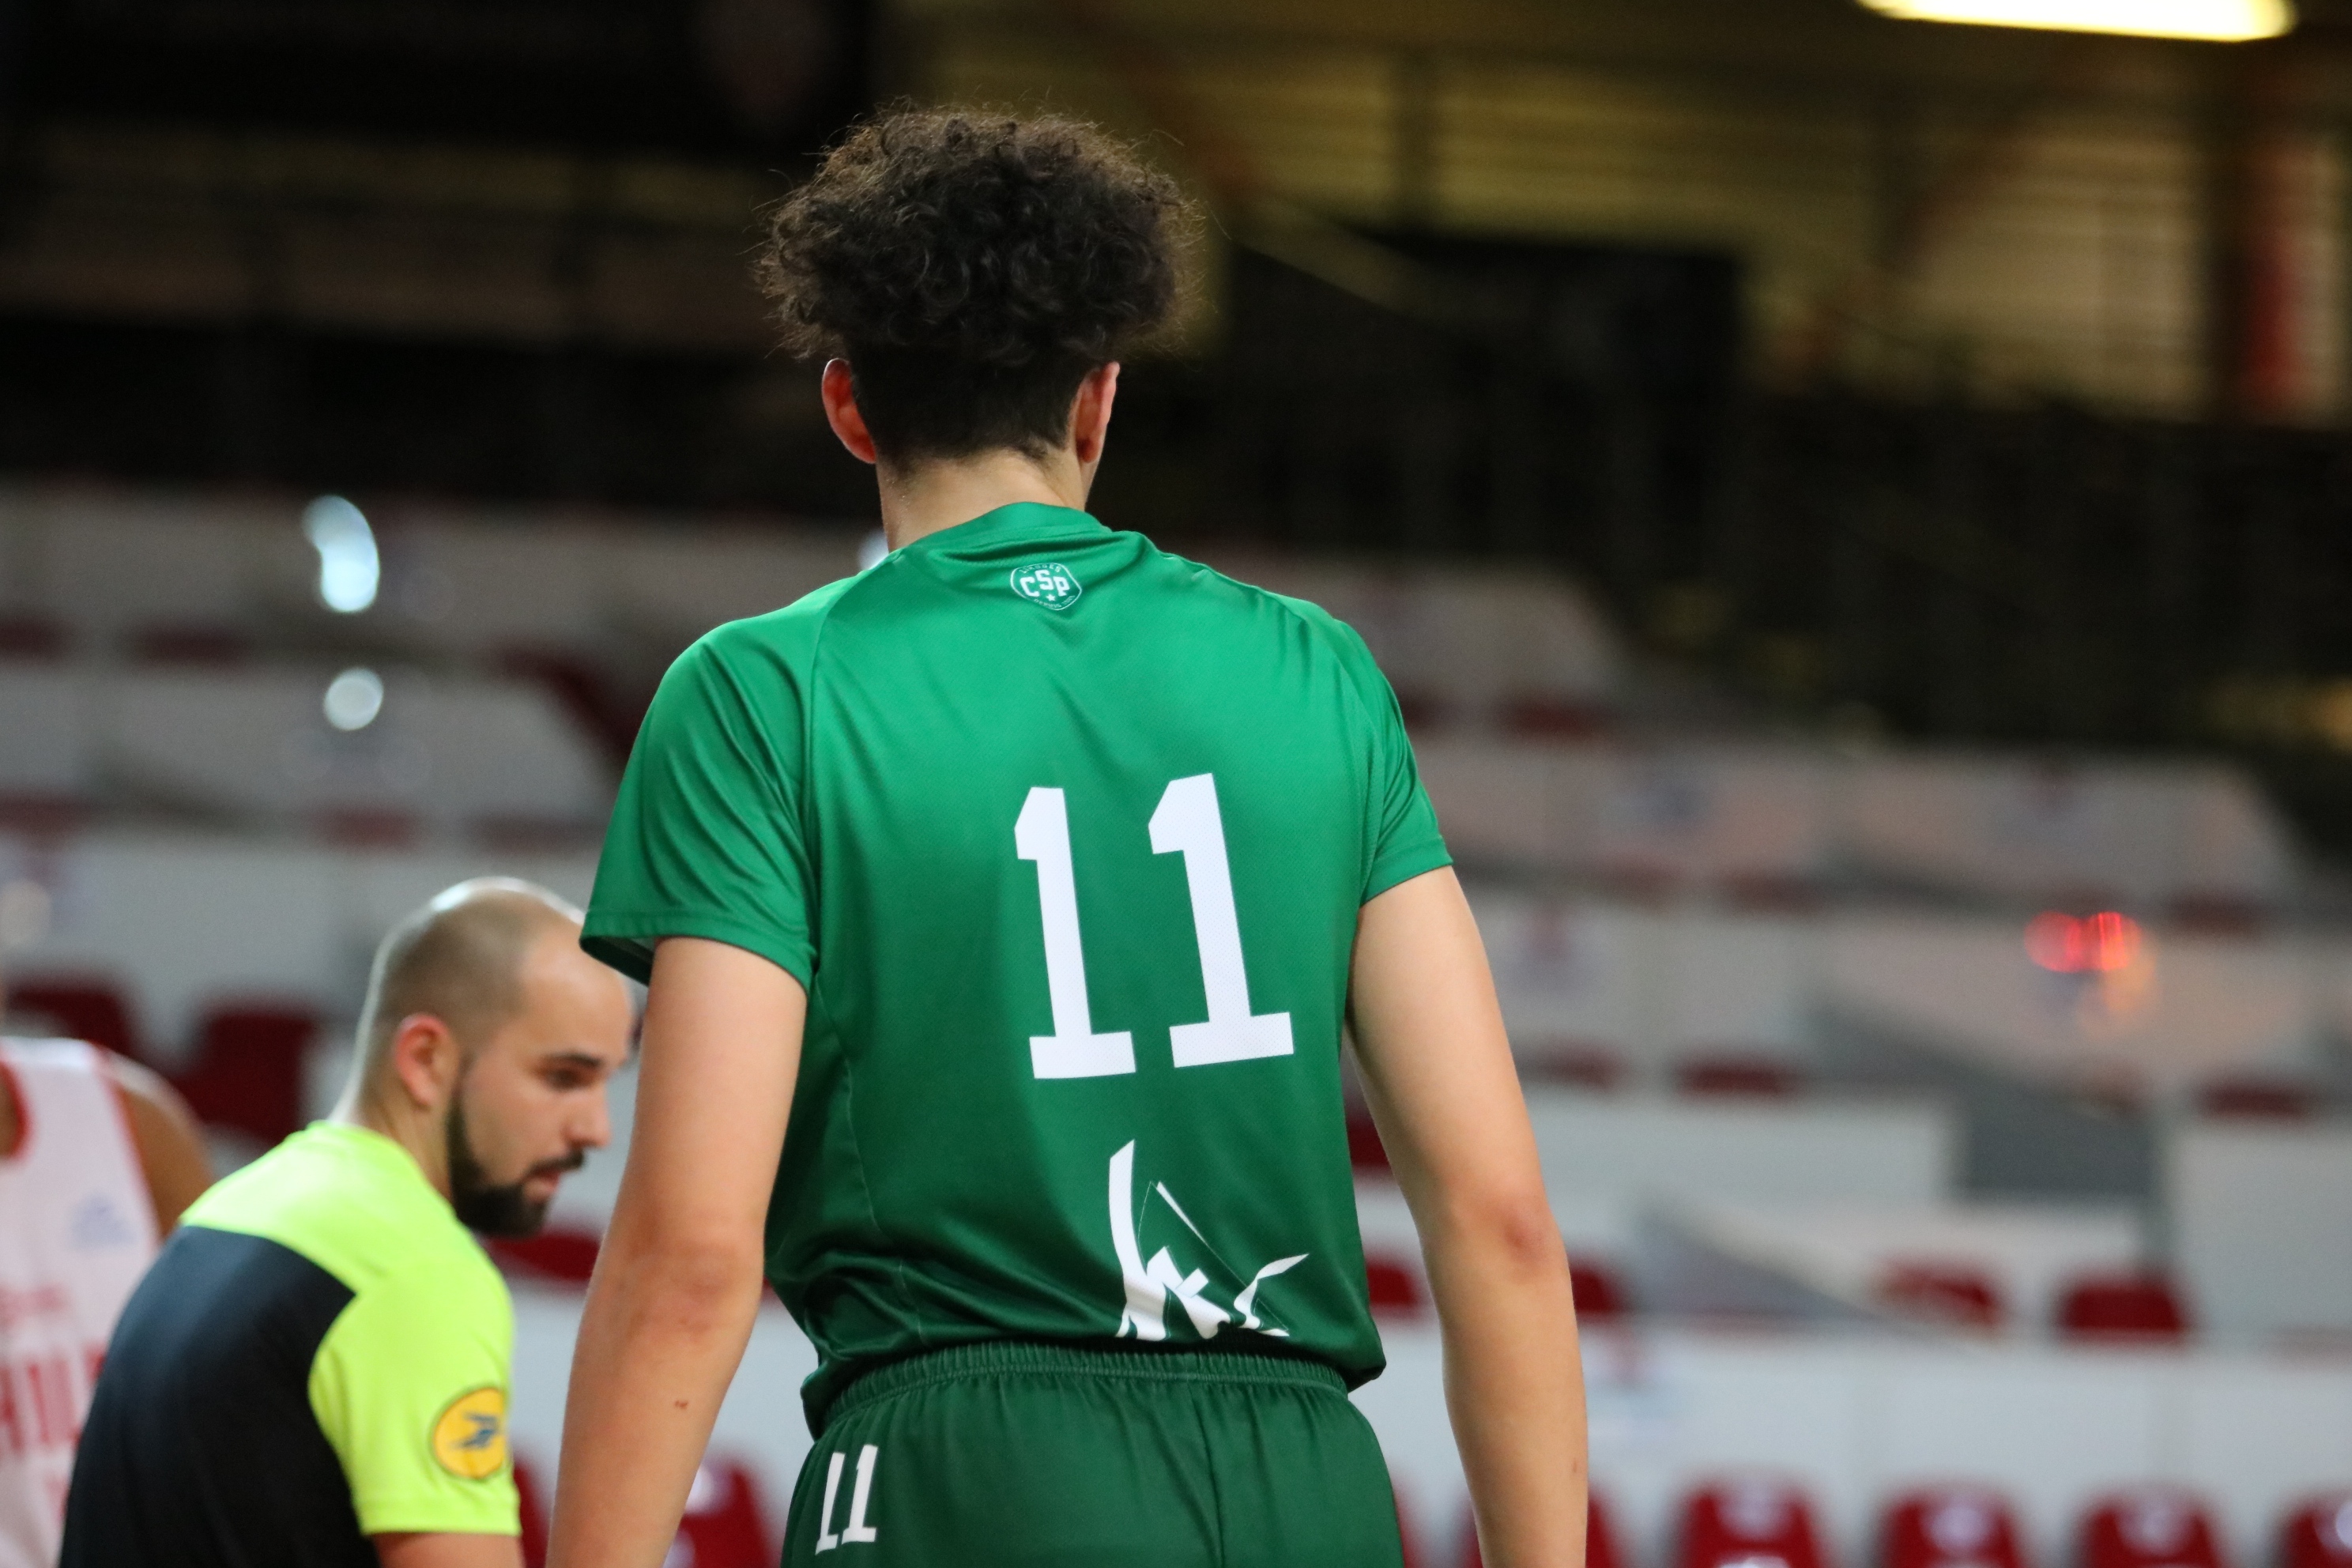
(470,1438)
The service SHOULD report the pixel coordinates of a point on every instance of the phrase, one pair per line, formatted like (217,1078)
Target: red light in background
(2085,944)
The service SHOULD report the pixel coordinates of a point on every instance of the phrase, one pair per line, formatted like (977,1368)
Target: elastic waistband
(1029,1358)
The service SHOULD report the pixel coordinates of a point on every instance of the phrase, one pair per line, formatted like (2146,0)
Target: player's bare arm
(1438,1071)
(448,1550)
(170,1148)
(678,1284)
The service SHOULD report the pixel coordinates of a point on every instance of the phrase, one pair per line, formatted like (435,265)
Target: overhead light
(349,570)
(353,698)
(2215,21)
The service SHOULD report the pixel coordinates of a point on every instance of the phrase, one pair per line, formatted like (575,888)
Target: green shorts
(1033,1455)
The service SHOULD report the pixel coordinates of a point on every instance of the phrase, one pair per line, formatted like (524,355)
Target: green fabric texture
(1065,836)
(1023,1455)
(429,1324)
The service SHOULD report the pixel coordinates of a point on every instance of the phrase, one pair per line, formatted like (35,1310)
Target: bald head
(459,959)
(485,1047)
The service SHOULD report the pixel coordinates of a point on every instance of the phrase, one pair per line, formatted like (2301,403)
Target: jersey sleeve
(705,839)
(1401,834)
(410,1387)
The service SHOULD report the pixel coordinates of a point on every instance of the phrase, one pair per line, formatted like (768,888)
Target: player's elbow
(1505,1233)
(693,1283)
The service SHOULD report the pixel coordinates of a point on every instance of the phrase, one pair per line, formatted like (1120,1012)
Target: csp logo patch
(470,1438)
(1047,583)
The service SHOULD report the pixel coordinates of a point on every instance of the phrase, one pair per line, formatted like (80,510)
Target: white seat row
(1657,987)
(257,742)
(1775,813)
(105,564)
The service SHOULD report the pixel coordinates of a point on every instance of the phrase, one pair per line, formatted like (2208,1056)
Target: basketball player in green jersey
(1002,907)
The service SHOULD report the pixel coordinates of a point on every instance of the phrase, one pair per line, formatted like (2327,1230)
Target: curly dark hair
(973,269)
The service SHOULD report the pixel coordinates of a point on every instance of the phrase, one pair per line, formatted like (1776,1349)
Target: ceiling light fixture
(2214,21)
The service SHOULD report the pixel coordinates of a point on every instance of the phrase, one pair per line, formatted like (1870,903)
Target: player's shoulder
(1300,618)
(1249,597)
(351,1201)
(788,634)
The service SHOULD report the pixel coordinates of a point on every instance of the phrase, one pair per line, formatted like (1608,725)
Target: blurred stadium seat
(2318,1534)
(2150,1527)
(558,1255)
(1952,1527)
(727,1522)
(1735,1074)
(2258,1099)
(533,1501)
(1749,1521)
(247,1071)
(1394,1286)
(2137,1307)
(1601,1293)
(1949,1293)
(73,1008)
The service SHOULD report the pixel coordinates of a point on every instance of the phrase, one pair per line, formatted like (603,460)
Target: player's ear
(1090,414)
(839,390)
(425,1058)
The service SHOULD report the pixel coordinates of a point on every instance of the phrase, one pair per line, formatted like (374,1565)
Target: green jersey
(1066,837)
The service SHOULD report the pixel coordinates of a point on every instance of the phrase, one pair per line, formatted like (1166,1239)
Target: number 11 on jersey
(1187,823)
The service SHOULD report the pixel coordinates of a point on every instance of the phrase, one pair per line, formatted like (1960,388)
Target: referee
(315,1370)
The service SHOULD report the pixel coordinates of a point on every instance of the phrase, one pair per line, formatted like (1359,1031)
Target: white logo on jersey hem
(1148,1285)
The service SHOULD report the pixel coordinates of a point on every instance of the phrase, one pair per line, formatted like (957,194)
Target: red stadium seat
(1600,1296)
(2258,1099)
(1599,1540)
(2152,1527)
(1752,1521)
(32,636)
(2318,1534)
(2127,1307)
(726,1523)
(1755,1077)
(1949,1293)
(534,1515)
(247,1069)
(1554,719)
(190,644)
(1952,1527)
(556,1254)
(1365,1150)
(74,1008)
(1579,1062)
(1394,1286)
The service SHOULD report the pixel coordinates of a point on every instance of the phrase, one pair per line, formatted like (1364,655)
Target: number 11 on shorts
(856,1531)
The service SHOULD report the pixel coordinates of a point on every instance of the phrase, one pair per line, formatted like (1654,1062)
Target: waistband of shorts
(1031,1358)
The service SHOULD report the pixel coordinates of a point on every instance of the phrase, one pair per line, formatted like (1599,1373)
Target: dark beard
(502,1212)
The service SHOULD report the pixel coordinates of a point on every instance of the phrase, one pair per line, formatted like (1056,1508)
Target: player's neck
(923,498)
(421,1132)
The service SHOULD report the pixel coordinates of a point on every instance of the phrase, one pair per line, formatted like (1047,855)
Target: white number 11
(1187,823)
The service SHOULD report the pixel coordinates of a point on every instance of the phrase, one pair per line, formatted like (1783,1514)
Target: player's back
(1066,837)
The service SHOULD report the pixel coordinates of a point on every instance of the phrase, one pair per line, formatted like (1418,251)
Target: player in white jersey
(98,1157)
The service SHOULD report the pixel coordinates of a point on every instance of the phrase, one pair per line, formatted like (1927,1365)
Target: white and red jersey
(77,1230)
